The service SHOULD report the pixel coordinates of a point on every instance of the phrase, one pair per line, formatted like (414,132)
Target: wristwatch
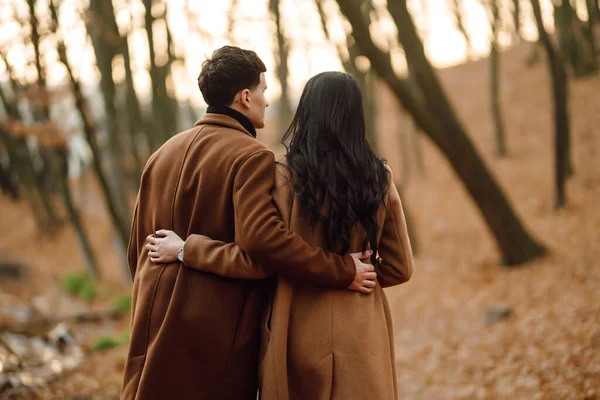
(180,254)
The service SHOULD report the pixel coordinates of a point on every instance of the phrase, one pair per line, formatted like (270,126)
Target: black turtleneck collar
(235,114)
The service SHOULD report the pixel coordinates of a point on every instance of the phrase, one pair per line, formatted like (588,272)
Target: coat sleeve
(263,244)
(224,259)
(395,260)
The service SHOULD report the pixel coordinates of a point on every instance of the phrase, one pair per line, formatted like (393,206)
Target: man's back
(191,332)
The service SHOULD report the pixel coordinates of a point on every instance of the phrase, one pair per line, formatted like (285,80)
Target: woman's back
(327,343)
(333,190)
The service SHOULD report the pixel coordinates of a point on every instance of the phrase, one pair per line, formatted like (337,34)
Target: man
(195,335)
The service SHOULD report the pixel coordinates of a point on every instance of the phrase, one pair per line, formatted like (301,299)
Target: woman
(337,194)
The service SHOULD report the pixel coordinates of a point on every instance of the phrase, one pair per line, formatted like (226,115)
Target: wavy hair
(340,182)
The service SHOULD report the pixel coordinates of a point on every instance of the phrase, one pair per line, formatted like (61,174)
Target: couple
(262,292)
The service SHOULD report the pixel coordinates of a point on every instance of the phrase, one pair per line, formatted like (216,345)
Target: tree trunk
(590,32)
(231,21)
(415,135)
(35,40)
(170,101)
(42,103)
(517,19)
(405,150)
(366,81)
(103,30)
(157,113)
(495,80)
(8,180)
(161,106)
(62,175)
(134,114)
(577,43)
(281,65)
(20,160)
(50,162)
(120,224)
(561,115)
(369,109)
(461,26)
(443,127)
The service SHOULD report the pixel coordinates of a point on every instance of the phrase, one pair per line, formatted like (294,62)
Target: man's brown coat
(195,335)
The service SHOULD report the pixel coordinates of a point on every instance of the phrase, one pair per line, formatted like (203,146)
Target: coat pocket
(265,332)
(246,336)
(311,379)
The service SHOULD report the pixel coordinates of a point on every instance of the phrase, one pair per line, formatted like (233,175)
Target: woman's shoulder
(391,184)
(283,173)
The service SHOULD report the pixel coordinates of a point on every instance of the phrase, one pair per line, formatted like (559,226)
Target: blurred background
(486,110)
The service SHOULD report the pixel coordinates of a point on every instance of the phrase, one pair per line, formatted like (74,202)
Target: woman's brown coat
(320,343)
(196,335)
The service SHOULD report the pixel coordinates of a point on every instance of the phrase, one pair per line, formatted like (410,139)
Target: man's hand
(365,278)
(163,246)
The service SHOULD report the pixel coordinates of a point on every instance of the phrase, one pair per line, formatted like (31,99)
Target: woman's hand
(366,277)
(163,246)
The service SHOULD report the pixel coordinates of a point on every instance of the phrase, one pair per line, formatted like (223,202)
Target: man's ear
(245,98)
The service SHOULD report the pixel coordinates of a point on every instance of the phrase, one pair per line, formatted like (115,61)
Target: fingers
(362,256)
(369,284)
(150,246)
(152,239)
(162,233)
(366,255)
(365,286)
(369,276)
(367,268)
(364,289)
(154,254)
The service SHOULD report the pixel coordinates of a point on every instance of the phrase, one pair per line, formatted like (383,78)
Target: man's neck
(235,114)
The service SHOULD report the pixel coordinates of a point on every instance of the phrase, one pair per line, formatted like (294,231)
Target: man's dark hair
(229,70)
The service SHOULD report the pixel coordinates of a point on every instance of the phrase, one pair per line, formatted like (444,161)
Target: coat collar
(227,117)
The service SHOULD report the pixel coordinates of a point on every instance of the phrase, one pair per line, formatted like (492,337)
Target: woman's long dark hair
(339,180)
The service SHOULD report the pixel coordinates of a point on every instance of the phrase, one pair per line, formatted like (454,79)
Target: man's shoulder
(240,142)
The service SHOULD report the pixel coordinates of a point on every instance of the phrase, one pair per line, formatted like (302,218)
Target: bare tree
(593,17)
(593,7)
(495,23)
(41,112)
(120,224)
(561,114)
(577,43)
(134,113)
(231,20)
(61,174)
(517,19)
(281,65)
(8,180)
(22,158)
(456,10)
(54,148)
(348,57)
(106,41)
(437,119)
(163,110)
